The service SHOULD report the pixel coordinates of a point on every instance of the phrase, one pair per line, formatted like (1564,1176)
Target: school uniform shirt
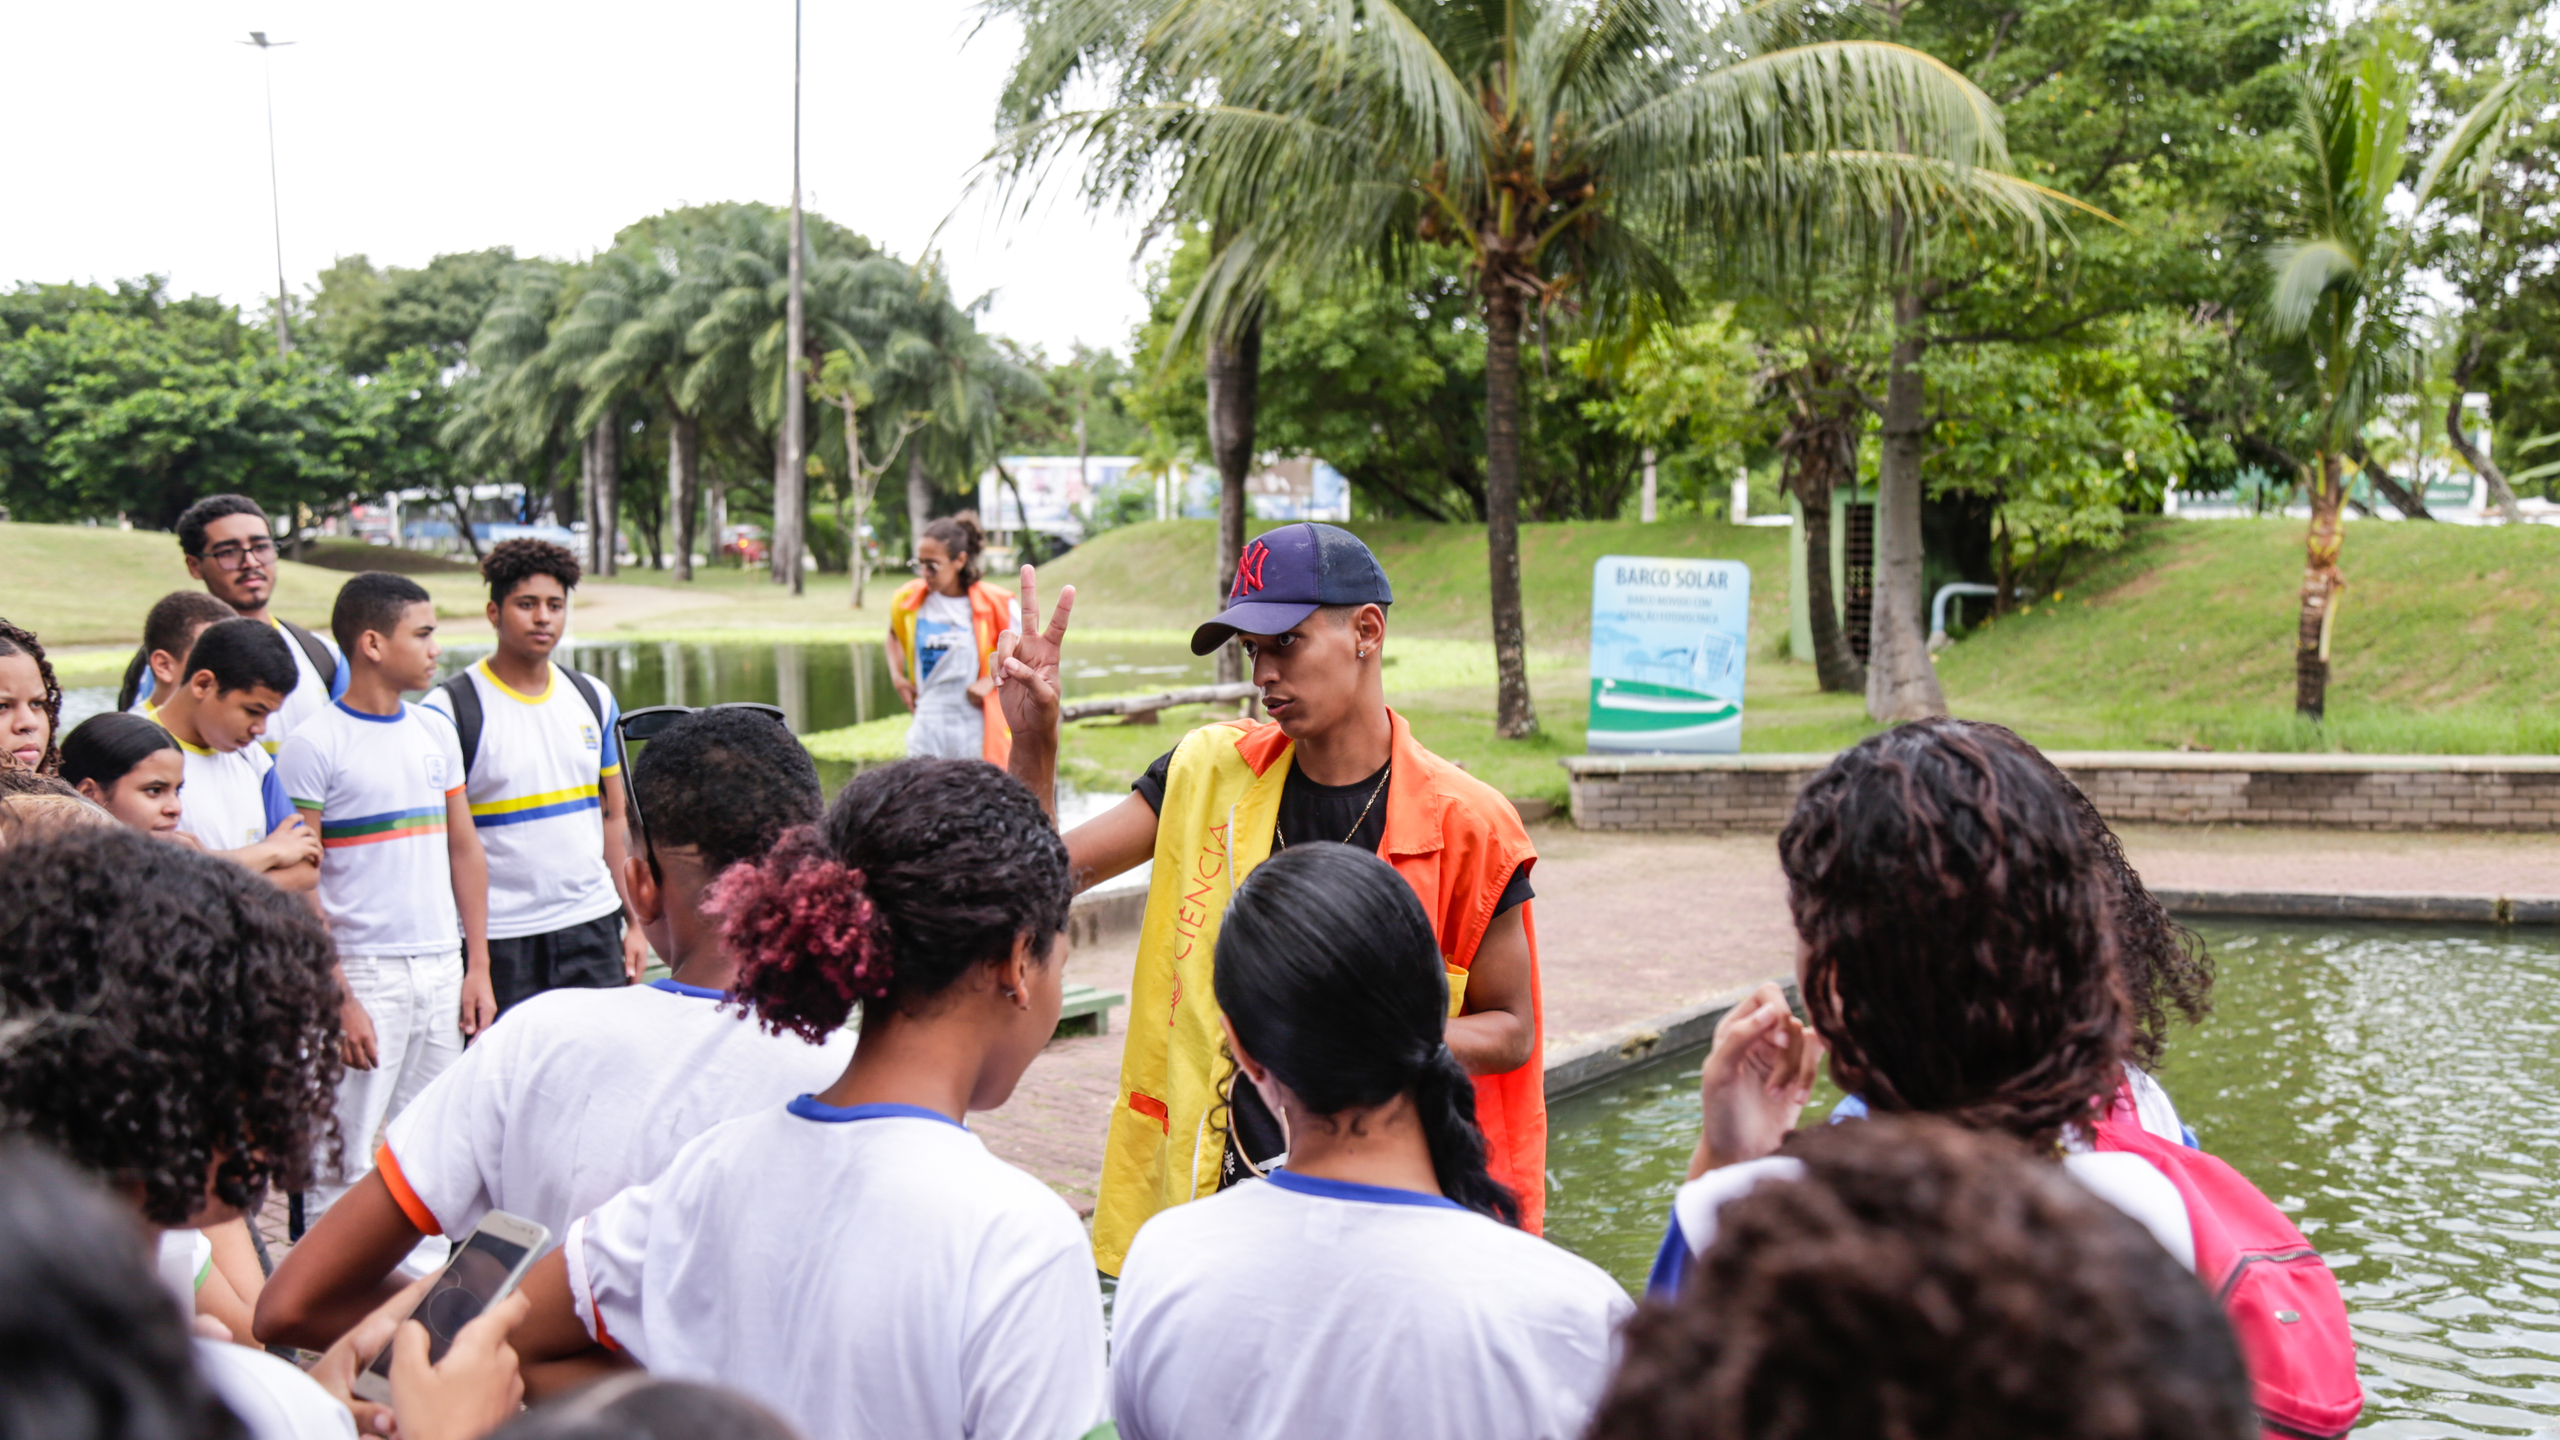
(2128,1182)
(274,1400)
(576,1095)
(313,694)
(1297,1306)
(536,789)
(868,1272)
(379,784)
(229,801)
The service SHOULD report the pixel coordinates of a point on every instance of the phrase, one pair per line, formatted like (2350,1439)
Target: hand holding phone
(483,1271)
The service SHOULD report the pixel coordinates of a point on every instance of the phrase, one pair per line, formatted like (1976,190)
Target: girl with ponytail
(1374,1283)
(856,1259)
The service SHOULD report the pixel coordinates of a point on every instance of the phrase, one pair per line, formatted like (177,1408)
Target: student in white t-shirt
(1373,1286)
(400,859)
(195,1081)
(231,548)
(169,631)
(1955,957)
(856,1259)
(579,1094)
(231,801)
(1912,1277)
(545,783)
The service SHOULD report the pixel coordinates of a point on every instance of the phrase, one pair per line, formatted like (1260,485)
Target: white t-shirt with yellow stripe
(536,796)
(228,801)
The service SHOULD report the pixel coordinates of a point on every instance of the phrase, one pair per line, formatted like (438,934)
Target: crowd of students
(791,1230)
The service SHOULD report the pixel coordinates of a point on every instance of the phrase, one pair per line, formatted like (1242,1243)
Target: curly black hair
(727,783)
(89,1344)
(2166,964)
(1932,1283)
(1960,955)
(175,1019)
(922,871)
(510,563)
(17,641)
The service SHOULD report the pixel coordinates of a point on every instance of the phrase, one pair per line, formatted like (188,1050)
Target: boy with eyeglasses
(545,781)
(584,1092)
(230,548)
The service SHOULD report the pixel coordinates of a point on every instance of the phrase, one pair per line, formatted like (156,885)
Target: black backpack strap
(586,689)
(322,662)
(134,670)
(464,697)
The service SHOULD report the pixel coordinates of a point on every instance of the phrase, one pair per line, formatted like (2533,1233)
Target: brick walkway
(1634,925)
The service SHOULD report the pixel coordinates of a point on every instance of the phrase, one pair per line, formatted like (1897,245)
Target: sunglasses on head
(648,723)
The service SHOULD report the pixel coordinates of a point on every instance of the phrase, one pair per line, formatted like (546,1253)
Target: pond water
(2390,1086)
(819,686)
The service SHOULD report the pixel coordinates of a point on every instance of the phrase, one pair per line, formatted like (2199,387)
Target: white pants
(415,1002)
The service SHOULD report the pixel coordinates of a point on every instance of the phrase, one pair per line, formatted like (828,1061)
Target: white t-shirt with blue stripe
(1296,1306)
(536,789)
(229,801)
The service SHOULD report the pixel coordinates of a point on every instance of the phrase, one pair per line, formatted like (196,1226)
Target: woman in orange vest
(1332,763)
(942,641)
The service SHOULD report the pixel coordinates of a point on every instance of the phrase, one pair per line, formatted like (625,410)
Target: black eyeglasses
(927,567)
(234,556)
(648,723)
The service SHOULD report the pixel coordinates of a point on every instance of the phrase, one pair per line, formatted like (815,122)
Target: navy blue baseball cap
(1285,574)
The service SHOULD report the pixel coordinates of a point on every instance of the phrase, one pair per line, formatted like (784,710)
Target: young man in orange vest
(1332,763)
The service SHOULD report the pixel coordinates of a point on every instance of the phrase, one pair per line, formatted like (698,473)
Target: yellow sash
(1168,1129)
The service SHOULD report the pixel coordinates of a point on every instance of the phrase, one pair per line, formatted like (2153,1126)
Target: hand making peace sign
(1027,663)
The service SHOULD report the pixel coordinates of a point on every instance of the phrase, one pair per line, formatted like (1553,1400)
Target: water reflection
(2390,1086)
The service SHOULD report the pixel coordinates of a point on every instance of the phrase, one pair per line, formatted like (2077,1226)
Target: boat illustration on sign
(1636,715)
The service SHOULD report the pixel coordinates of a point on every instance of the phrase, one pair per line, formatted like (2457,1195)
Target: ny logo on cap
(1249,570)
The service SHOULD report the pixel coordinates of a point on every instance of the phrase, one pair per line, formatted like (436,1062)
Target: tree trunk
(2321,583)
(857,489)
(684,485)
(1514,716)
(609,492)
(2402,499)
(919,499)
(1901,683)
(459,497)
(587,496)
(1820,451)
(2501,494)
(1234,365)
(782,556)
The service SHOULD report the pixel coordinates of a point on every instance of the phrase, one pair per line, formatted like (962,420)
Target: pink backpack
(2283,1302)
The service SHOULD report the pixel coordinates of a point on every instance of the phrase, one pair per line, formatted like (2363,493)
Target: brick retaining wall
(2354,792)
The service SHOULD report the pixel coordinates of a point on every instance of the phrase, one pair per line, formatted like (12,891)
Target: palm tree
(2343,296)
(1578,152)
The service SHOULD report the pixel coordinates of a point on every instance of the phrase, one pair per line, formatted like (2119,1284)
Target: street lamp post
(275,201)
(795,400)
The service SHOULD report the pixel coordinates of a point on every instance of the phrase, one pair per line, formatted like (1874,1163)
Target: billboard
(1668,641)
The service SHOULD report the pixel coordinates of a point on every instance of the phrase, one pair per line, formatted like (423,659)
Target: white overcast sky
(138,142)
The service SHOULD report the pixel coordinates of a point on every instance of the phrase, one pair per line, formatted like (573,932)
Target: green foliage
(361,317)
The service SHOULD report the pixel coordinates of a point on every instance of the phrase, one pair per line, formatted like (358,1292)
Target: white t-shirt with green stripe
(379,784)
(536,790)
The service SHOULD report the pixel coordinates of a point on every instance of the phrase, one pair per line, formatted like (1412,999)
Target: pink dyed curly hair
(809,941)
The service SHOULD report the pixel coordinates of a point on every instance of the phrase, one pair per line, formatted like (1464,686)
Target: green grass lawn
(2182,638)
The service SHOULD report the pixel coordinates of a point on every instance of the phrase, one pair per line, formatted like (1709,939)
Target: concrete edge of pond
(1586,1063)
(2362,905)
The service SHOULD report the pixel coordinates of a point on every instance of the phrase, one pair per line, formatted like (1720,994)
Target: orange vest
(990,611)
(1453,838)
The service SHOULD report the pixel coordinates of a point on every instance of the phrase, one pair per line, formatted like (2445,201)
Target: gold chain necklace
(1374,792)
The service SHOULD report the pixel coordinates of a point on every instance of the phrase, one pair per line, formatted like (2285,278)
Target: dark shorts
(587,956)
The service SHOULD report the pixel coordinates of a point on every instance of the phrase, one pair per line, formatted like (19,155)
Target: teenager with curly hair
(856,1259)
(583,1093)
(1377,1283)
(30,702)
(1908,1277)
(1956,957)
(172,1027)
(545,777)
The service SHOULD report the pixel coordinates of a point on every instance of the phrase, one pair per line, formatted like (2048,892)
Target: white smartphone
(484,1270)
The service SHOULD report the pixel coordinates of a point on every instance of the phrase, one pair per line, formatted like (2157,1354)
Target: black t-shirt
(1354,814)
